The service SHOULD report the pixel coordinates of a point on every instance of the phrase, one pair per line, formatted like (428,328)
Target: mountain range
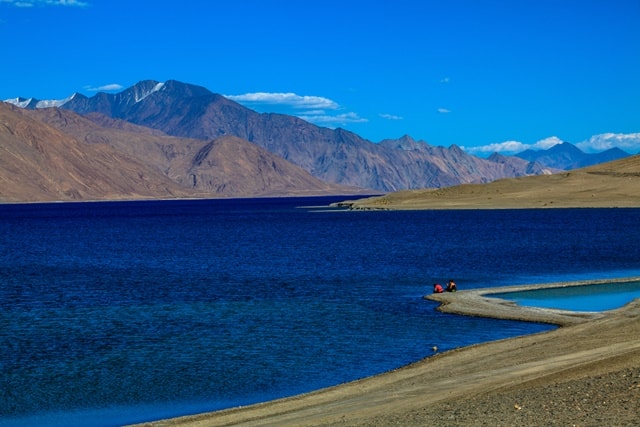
(567,156)
(192,142)
(52,154)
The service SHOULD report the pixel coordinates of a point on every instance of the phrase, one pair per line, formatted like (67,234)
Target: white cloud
(390,117)
(445,80)
(514,147)
(108,87)
(31,3)
(629,142)
(289,99)
(18,3)
(499,147)
(315,109)
(545,144)
(443,110)
(332,121)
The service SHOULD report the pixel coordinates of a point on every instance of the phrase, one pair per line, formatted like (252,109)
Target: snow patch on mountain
(156,88)
(31,103)
(54,102)
(19,102)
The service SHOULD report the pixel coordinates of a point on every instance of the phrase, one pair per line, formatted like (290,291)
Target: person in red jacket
(437,288)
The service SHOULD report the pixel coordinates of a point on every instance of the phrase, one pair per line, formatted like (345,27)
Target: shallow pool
(598,297)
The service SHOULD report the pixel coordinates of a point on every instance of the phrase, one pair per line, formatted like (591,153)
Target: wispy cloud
(17,3)
(513,147)
(104,88)
(445,80)
(32,3)
(444,110)
(315,109)
(289,99)
(390,117)
(629,142)
(333,120)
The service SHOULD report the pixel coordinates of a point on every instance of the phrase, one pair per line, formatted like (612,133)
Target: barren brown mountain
(225,167)
(611,184)
(167,167)
(40,163)
(332,155)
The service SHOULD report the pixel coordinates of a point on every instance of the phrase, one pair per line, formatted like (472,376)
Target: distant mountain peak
(185,89)
(33,103)
(567,156)
(332,155)
(405,142)
(566,147)
(26,103)
(141,91)
(55,102)
(497,157)
(130,96)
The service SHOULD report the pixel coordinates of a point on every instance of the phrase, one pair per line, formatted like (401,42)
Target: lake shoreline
(592,358)
(484,303)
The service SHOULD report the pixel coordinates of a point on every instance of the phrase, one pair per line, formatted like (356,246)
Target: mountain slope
(227,167)
(40,163)
(612,184)
(517,165)
(332,155)
(234,167)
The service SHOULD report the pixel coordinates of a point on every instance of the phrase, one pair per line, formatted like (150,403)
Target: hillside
(612,184)
(331,155)
(52,154)
(40,163)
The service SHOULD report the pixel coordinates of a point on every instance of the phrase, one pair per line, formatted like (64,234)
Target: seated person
(437,288)
(451,286)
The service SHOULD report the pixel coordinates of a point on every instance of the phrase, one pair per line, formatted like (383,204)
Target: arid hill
(612,184)
(40,163)
(225,167)
(331,155)
(58,155)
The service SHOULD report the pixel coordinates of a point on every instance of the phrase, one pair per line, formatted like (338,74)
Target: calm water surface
(117,313)
(598,297)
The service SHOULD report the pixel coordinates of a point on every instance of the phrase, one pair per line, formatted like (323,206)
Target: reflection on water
(599,297)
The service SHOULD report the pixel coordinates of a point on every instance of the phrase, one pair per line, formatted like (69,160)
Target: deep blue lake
(122,312)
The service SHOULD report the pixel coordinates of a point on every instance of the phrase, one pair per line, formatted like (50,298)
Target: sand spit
(585,373)
(481,302)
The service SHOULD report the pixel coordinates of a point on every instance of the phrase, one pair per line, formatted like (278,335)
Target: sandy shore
(585,373)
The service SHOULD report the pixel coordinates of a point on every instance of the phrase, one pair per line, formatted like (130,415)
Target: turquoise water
(598,297)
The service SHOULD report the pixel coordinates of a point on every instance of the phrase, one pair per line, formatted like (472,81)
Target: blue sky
(485,75)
